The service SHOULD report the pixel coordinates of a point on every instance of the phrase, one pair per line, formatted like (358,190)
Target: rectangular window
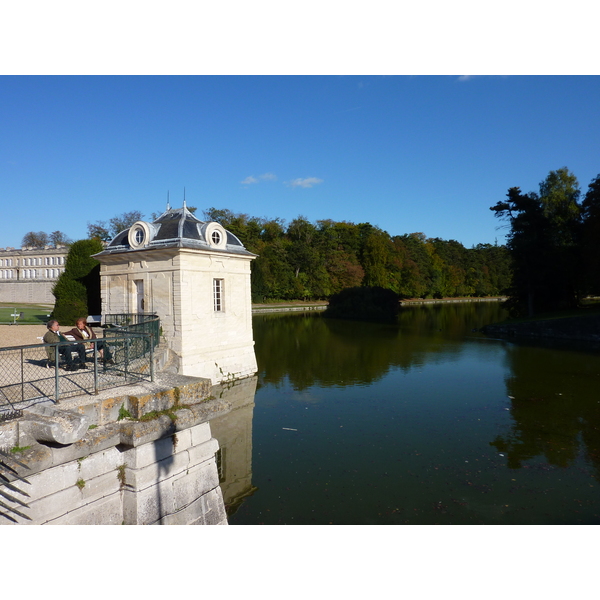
(218,292)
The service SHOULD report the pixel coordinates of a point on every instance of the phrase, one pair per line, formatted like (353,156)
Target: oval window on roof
(139,235)
(216,236)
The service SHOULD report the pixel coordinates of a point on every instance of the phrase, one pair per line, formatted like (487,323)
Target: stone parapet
(45,423)
(161,469)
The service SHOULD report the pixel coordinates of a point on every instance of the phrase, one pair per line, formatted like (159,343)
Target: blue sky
(405,153)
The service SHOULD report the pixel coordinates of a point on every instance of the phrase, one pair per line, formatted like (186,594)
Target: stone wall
(27,292)
(171,480)
(178,287)
(123,470)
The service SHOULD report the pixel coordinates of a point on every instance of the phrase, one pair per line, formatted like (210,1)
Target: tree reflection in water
(555,405)
(423,421)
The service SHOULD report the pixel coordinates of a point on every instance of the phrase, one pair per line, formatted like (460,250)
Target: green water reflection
(423,422)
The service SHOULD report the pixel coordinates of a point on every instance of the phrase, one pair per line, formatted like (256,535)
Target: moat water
(426,421)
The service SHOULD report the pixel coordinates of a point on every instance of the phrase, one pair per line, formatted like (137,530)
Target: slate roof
(176,228)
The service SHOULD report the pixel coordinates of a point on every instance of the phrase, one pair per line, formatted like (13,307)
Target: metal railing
(30,373)
(135,323)
(145,325)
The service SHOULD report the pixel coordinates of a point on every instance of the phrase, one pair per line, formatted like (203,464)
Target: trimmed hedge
(77,290)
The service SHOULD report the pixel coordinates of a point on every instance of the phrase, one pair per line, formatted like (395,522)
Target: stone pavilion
(195,276)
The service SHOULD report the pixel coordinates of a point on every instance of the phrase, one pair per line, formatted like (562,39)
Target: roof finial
(184,206)
(168,203)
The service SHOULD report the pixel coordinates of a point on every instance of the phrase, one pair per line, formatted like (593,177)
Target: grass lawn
(33,314)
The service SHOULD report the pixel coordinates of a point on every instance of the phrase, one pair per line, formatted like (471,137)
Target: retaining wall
(27,292)
(127,471)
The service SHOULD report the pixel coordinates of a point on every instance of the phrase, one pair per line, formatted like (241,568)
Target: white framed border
(134,230)
(214,231)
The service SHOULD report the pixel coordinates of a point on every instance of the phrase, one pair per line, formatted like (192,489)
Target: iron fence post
(95,346)
(151,357)
(22,377)
(126,341)
(56,384)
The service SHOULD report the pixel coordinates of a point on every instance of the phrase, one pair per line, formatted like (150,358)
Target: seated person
(82,332)
(53,336)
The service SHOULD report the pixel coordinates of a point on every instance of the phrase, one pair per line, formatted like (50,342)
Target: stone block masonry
(196,277)
(129,471)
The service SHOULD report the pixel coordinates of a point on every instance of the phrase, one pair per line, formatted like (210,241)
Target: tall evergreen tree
(543,241)
(559,196)
(529,244)
(77,290)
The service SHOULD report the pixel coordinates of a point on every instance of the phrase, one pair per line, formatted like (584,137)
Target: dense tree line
(551,260)
(554,242)
(309,261)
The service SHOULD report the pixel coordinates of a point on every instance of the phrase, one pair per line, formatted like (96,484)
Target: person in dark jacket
(82,332)
(54,336)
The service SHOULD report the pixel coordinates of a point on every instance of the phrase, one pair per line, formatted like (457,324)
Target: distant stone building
(196,277)
(27,275)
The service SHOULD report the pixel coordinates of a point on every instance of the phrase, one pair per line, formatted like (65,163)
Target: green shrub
(77,290)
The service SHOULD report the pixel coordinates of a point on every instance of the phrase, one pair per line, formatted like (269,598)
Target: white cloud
(305,182)
(265,177)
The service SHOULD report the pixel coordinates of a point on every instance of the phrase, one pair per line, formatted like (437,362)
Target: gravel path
(21,335)
(26,335)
